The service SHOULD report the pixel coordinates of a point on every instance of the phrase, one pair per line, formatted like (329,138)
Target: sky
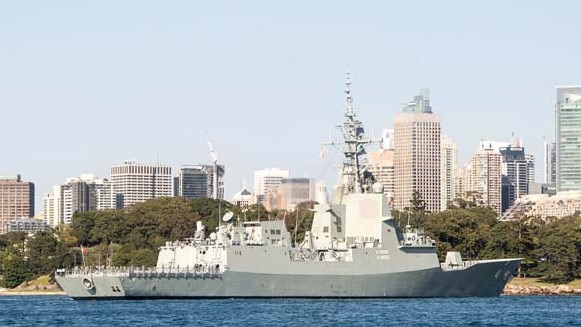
(89,84)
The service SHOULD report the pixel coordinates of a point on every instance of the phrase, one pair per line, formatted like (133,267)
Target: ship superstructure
(353,250)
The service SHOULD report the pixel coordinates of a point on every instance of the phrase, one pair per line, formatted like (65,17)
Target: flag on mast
(322,152)
(83,252)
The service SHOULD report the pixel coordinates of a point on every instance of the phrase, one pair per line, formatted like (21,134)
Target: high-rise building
(52,207)
(568,138)
(481,179)
(16,200)
(267,184)
(448,171)
(382,169)
(77,194)
(387,139)
(417,154)
(516,168)
(197,182)
(294,191)
(530,159)
(550,169)
(134,182)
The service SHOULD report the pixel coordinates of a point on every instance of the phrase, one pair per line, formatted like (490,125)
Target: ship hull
(486,279)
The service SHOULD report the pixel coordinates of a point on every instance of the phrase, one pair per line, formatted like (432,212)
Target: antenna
(350,112)
(296,223)
(214,168)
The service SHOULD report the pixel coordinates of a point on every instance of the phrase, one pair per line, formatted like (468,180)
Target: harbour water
(502,311)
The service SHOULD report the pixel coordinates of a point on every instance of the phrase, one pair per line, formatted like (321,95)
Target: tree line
(550,248)
(132,236)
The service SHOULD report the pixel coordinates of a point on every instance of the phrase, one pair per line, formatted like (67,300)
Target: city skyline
(86,85)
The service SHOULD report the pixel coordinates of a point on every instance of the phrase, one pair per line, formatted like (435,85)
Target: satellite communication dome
(228,216)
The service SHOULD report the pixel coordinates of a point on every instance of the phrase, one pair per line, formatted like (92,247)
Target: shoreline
(532,286)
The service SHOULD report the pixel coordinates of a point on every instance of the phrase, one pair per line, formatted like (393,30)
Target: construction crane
(214,168)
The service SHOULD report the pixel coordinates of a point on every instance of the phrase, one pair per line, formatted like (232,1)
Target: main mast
(354,175)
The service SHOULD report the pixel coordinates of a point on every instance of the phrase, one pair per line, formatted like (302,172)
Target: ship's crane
(214,168)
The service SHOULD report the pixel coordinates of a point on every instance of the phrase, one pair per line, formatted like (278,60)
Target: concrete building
(481,179)
(294,191)
(135,183)
(244,198)
(16,200)
(568,138)
(448,171)
(518,172)
(77,194)
(27,225)
(382,168)
(197,182)
(417,154)
(267,184)
(543,206)
(387,139)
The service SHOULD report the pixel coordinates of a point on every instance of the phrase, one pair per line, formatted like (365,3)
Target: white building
(544,206)
(387,139)
(134,182)
(243,199)
(267,182)
(77,194)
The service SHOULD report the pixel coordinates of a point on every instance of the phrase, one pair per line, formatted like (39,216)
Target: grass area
(41,284)
(536,282)
(42,280)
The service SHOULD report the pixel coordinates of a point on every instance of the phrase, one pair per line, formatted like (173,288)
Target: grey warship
(353,250)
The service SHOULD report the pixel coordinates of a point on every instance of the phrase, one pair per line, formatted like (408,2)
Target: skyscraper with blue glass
(568,138)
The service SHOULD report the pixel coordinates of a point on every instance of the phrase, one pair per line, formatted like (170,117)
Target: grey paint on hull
(484,279)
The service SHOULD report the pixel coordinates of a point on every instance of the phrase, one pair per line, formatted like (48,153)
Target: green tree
(463,230)
(559,250)
(417,204)
(299,221)
(109,226)
(82,225)
(42,253)
(15,269)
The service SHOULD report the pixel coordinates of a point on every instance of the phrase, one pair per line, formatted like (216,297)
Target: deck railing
(142,272)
